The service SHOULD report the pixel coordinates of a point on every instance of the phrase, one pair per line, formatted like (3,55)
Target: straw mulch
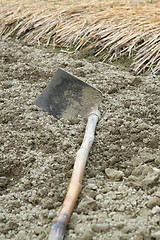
(111,28)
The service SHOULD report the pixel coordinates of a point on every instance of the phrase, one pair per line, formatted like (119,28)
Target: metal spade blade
(66,96)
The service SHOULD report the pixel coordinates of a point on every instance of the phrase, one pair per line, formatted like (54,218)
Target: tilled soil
(120,198)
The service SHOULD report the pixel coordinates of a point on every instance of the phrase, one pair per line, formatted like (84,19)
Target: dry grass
(112,28)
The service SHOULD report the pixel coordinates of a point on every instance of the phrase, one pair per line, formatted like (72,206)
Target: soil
(120,198)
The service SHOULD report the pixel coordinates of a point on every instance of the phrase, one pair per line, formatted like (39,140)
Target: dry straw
(111,28)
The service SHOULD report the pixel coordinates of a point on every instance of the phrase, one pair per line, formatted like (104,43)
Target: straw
(111,28)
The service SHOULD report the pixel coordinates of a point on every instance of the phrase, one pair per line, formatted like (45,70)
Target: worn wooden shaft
(58,229)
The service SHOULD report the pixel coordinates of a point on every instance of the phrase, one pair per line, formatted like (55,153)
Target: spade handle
(58,229)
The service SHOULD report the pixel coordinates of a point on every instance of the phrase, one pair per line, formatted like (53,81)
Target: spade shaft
(58,229)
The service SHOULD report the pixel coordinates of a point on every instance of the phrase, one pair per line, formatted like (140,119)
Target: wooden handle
(58,229)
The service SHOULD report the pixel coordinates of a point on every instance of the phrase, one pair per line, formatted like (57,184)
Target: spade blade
(66,96)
